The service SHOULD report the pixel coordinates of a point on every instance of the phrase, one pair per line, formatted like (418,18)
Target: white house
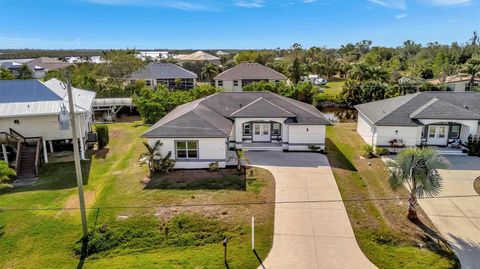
(233,79)
(170,75)
(29,116)
(426,118)
(458,83)
(203,131)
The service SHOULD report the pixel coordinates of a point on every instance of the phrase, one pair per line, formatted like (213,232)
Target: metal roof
(33,97)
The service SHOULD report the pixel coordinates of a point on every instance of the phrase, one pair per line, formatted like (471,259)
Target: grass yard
(129,225)
(331,89)
(381,228)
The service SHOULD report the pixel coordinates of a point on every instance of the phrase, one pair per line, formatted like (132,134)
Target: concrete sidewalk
(308,234)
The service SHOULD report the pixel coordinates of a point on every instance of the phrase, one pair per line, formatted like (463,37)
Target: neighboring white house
(15,67)
(203,131)
(458,83)
(152,55)
(233,79)
(170,75)
(29,110)
(426,118)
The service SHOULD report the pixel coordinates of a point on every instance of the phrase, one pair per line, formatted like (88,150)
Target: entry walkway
(308,234)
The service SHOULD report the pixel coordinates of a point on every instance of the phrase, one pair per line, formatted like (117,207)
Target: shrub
(379,151)
(473,146)
(213,167)
(102,135)
(368,151)
(165,164)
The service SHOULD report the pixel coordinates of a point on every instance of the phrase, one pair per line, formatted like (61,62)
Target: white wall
(472,126)
(209,150)
(238,127)
(45,126)
(364,128)
(411,136)
(228,85)
(300,136)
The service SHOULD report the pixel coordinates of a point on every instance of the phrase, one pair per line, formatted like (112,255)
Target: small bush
(368,151)
(213,167)
(379,151)
(102,135)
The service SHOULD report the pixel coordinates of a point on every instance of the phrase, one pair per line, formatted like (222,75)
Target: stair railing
(37,155)
(17,159)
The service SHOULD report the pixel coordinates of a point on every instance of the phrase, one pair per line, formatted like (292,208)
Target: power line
(235,204)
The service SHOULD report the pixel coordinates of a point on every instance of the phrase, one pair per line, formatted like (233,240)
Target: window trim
(249,124)
(457,132)
(235,83)
(220,83)
(187,149)
(279,129)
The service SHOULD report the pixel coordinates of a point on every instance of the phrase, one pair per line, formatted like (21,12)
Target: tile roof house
(198,56)
(201,132)
(170,75)
(29,111)
(458,83)
(233,79)
(426,118)
(48,63)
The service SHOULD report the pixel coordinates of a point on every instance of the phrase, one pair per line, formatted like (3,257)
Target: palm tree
(359,71)
(240,157)
(417,170)
(5,175)
(209,71)
(472,68)
(152,156)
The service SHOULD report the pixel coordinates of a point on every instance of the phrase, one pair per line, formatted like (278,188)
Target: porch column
(50,144)
(45,153)
(4,149)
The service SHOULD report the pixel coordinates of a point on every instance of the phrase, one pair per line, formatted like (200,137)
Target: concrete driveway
(458,218)
(307,233)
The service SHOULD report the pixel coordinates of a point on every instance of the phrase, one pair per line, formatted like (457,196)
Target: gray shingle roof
(162,71)
(406,110)
(213,115)
(250,71)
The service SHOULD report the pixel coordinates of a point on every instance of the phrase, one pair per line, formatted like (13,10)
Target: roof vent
(465,106)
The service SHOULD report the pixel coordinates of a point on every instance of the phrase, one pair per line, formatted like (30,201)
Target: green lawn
(144,235)
(331,89)
(382,230)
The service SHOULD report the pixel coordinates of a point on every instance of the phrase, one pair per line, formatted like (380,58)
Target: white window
(431,132)
(220,83)
(235,83)
(148,82)
(186,149)
(455,133)
(247,129)
(276,129)
(442,132)
(257,129)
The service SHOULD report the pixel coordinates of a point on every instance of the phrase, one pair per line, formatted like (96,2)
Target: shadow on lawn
(438,244)
(336,158)
(55,176)
(225,179)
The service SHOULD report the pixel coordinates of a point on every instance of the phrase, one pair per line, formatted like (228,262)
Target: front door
(437,135)
(261,132)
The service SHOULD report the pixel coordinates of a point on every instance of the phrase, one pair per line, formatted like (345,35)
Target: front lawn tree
(209,71)
(6,173)
(155,160)
(240,158)
(416,169)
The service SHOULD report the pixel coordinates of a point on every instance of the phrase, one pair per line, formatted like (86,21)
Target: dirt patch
(72,201)
(476,185)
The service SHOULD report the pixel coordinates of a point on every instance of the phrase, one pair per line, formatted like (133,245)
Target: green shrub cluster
(473,146)
(141,233)
(379,151)
(102,135)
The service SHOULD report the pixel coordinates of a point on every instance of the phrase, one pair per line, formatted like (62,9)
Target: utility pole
(76,154)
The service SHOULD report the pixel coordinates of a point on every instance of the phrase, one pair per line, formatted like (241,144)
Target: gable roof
(162,71)
(250,71)
(407,110)
(48,63)
(262,108)
(213,115)
(455,78)
(33,97)
(198,56)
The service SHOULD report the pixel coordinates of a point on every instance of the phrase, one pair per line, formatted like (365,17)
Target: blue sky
(210,24)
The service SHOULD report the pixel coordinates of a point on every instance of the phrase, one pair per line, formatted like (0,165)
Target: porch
(258,146)
(451,134)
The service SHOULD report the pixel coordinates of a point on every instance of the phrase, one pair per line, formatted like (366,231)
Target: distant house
(29,120)
(199,56)
(235,78)
(458,83)
(221,53)
(48,63)
(426,118)
(203,131)
(15,67)
(152,55)
(170,75)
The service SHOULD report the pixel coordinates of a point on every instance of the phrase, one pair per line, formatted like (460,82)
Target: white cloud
(250,3)
(401,16)
(396,4)
(176,4)
(450,2)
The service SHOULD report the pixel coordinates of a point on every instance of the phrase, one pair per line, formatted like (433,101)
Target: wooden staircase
(26,168)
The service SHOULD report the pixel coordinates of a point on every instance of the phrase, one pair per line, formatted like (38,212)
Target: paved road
(309,234)
(458,218)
